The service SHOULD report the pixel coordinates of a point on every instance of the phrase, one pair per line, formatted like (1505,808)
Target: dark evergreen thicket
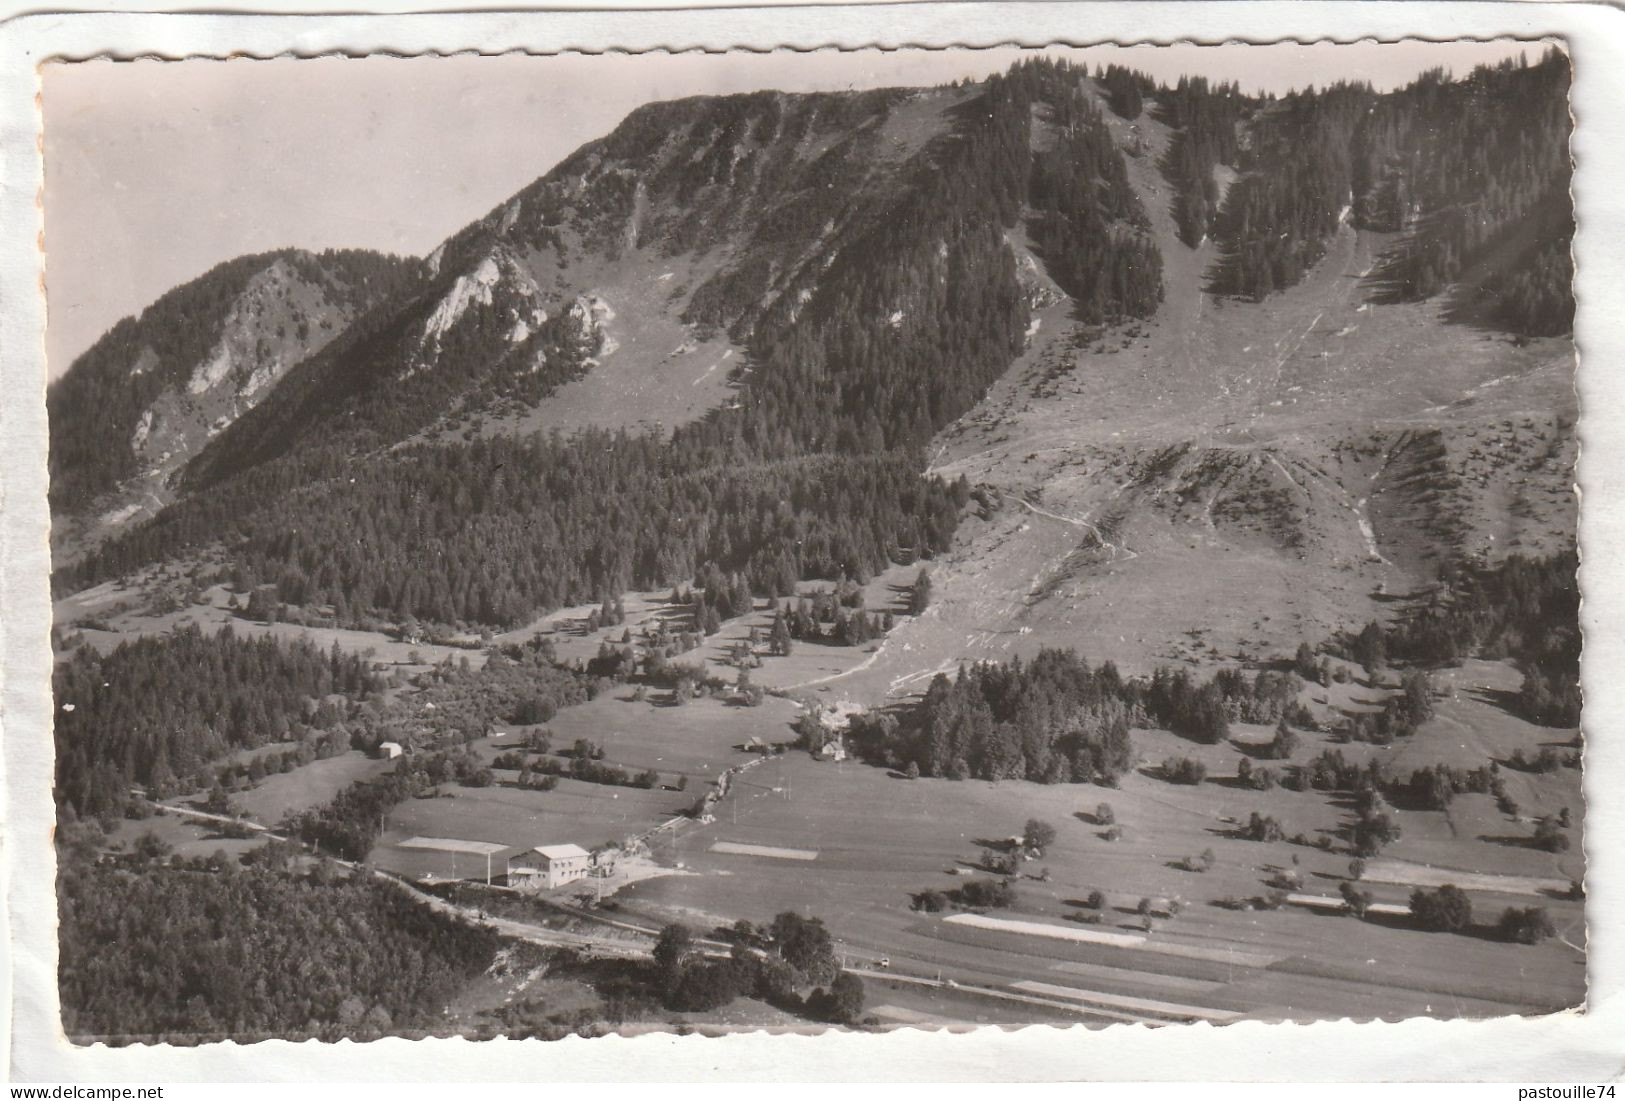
(162,712)
(349,825)
(1527,609)
(157,710)
(491,532)
(1292,190)
(1056,719)
(1473,174)
(1205,119)
(1126,90)
(94,407)
(1089,226)
(185,954)
(1476,172)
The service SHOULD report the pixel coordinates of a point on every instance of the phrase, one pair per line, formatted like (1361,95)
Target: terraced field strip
(1326,902)
(1066,1005)
(737,848)
(1216,965)
(1233,957)
(1405,874)
(1175,1010)
(1135,978)
(1040,929)
(1530,993)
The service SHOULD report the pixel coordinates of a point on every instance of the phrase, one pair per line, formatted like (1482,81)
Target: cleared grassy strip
(1406,874)
(1090,1014)
(1527,998)
(1136,979)
(1144,957)
(740,849)
(1230,957)
(1326,902)
(1040,929)
(1174,1010)
(1276,994)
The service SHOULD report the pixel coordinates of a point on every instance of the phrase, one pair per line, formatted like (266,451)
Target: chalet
(548,866)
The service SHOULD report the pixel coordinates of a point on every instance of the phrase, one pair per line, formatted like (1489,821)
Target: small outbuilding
(389,750)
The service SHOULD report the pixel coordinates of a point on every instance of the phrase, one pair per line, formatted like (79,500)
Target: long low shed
(456,846)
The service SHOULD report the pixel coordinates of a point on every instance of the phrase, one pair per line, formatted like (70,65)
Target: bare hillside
(1230,478)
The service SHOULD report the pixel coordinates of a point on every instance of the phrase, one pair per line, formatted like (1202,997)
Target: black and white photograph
(699,543)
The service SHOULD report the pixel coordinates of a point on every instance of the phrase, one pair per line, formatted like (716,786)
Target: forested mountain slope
(808,289)
(901,299)
(1239,475)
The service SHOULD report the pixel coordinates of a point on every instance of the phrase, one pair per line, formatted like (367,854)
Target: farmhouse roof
(560,852)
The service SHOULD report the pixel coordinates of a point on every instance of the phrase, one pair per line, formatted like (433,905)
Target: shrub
(1183,770)
(1096,899)
(1447,909)
(1001,863)
(1285,742)
(1529,925)
(1104,815)
(1263,828)
(992,893)
(1114,834)
(1550,836)
(1372,832)
(932,902)
(1356,868)
(1038,835)
(1355,900)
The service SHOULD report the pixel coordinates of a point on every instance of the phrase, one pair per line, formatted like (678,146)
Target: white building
(389,750)
(551,865)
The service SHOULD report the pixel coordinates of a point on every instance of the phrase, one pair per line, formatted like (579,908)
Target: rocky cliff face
(141,403)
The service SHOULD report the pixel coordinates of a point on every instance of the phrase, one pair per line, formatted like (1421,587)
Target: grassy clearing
(880,838)
(126,610)
(187,837)
(698,739)
(311,786)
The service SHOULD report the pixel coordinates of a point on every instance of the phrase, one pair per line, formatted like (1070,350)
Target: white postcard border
(1570,1047)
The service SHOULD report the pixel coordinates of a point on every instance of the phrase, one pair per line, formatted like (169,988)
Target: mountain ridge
(846,307)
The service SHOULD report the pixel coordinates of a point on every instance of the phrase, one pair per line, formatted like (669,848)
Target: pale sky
(156,171)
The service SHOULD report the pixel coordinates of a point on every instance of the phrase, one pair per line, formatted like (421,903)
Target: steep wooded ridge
(1466,172)
(136,407)
(858,269)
